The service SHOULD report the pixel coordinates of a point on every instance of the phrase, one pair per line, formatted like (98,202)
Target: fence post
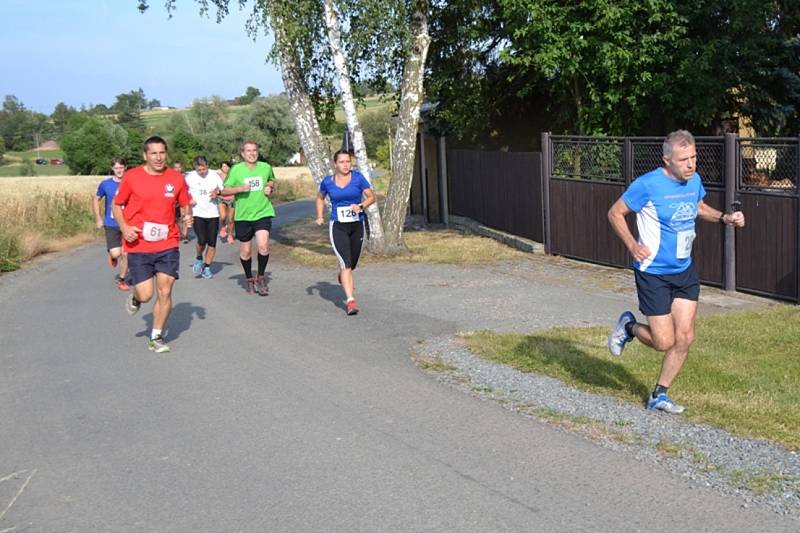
(797,210)
(423,174)
(443,184)
(627,162)
(729,250)
(546,169)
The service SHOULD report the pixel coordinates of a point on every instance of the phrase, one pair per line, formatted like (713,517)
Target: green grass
(743,372)
(32,155)
(7,171)
(22,164)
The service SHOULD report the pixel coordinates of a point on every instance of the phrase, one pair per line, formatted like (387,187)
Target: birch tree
(390,39)
(376,236)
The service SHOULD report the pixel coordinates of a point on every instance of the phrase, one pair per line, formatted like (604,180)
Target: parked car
(56,162)
(41,161)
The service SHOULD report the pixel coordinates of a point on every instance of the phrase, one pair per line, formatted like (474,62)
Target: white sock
(155,333)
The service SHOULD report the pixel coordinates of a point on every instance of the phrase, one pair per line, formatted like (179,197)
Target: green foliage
(271,120)
(250,94)
(61,117)
(128,108)
(377,128)
(11,254)
(2,149)
(19,126)
(89,148)
(508,67)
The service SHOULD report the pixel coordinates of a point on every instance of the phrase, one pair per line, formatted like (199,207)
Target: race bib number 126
(346,214)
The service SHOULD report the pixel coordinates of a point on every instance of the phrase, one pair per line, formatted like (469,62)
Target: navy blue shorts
(245,229)
(144,266)
(657,291)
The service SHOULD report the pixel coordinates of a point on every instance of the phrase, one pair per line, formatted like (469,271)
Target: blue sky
(89,51)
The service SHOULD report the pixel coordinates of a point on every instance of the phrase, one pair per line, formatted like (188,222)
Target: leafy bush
(89,148)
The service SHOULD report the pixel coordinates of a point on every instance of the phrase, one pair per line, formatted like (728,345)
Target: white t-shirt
(200,189)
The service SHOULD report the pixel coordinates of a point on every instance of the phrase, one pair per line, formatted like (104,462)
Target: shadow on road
(180,319)
(328,291)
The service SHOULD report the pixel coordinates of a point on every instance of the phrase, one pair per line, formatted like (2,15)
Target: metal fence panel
(499,189)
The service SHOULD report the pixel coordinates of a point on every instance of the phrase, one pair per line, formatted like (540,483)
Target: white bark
(302,108)
(376,238)
(406,135)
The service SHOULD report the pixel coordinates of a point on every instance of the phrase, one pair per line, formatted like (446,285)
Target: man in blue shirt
(108,189)
(666,201)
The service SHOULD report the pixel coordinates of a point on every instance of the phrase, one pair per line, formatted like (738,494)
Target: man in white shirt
(204,187)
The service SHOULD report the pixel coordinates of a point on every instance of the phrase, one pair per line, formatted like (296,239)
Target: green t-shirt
(254,204)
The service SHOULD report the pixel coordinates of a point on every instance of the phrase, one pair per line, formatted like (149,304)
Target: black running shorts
(657,291)
(113,237)
(245,229)
(206,230)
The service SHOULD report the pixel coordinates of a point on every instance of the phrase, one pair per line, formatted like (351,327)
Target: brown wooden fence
(583,176)
(502,190)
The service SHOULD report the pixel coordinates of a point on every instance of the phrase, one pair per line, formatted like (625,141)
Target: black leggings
(346,239)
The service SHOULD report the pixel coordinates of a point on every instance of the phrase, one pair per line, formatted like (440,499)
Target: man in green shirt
(253,182)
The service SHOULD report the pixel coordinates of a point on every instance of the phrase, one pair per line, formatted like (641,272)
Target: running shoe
(250,286)
(121,285)
(223,233)
(197,267)
(351,308)
(132,305)
(112,261)
(207,274)
(662,402)
(186,240)
(618,338)
(231,240)
(261,286)
(158,345)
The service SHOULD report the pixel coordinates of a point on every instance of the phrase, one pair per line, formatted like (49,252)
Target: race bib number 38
(255,183)
(154,232)
(346,214)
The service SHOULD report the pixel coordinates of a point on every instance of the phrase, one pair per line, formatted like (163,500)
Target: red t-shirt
(150,206)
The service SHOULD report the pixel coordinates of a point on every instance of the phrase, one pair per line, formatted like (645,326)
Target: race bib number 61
(154,232)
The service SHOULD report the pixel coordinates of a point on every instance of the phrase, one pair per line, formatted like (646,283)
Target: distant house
(298,158)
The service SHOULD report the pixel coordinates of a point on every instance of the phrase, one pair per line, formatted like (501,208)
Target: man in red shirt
(150,236)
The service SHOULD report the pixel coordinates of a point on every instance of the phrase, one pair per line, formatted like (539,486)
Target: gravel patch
(758,472)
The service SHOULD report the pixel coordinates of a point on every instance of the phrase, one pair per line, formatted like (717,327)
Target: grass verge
(308,245)
(41,223)
(743,372)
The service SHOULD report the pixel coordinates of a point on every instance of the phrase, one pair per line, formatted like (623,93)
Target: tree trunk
(376,240)
(305,117)
(406,135)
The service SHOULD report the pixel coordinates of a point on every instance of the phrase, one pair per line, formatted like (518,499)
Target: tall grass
(40,223)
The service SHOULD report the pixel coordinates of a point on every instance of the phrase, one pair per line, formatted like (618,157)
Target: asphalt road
(283,414)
